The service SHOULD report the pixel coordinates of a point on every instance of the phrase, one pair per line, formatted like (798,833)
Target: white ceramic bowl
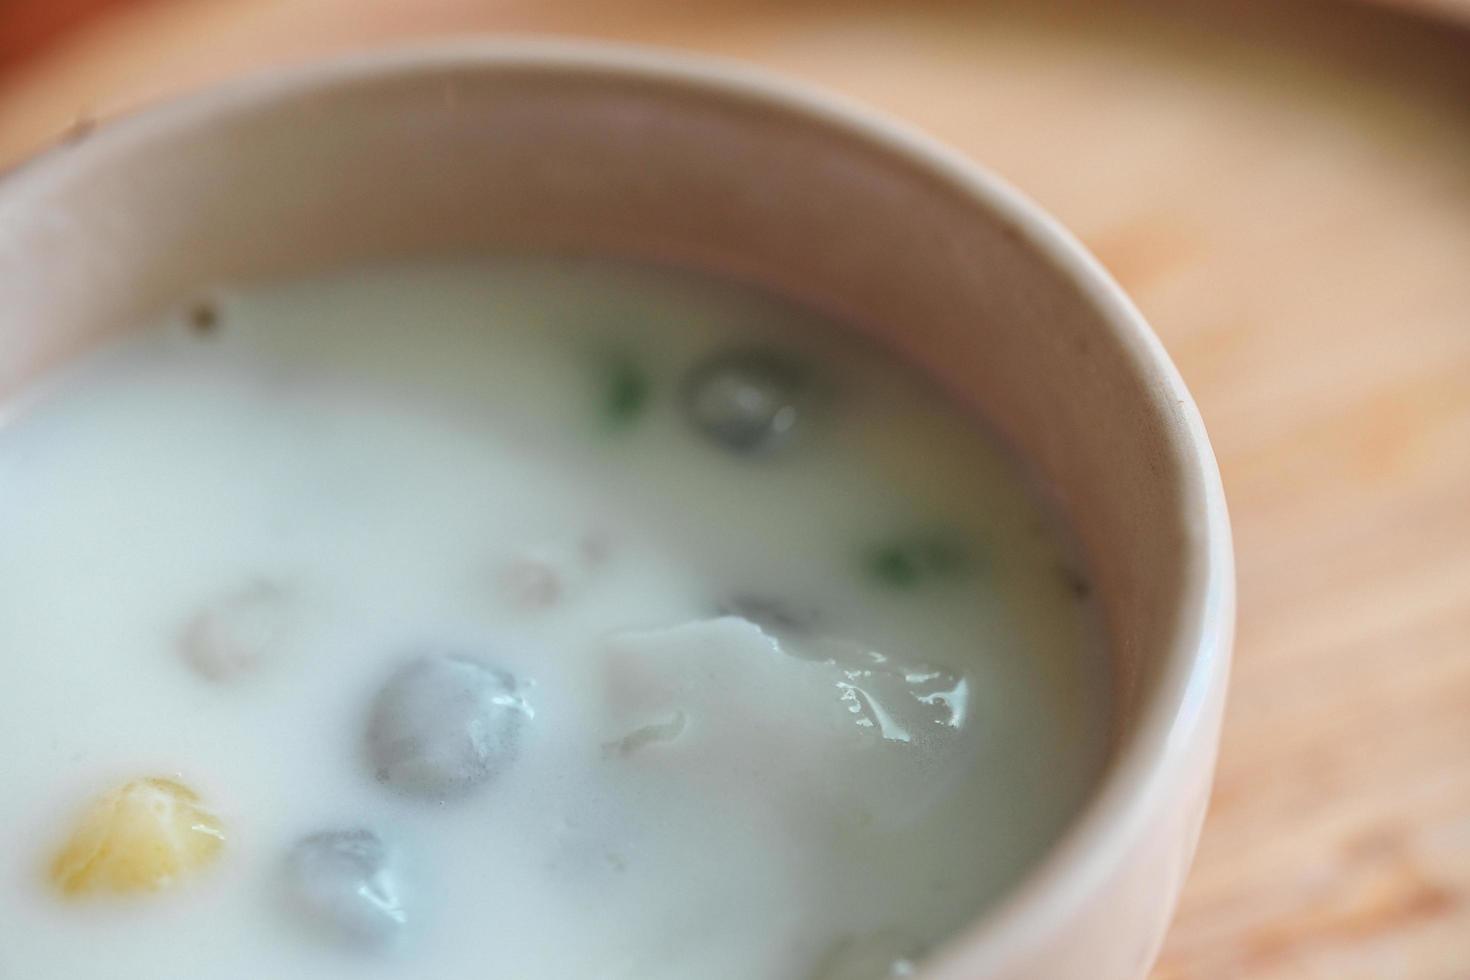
(635,152)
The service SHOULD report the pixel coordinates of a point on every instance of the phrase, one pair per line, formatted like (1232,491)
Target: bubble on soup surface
(142,836)
(747,401)
(237,633)
(444,725)
(345,882)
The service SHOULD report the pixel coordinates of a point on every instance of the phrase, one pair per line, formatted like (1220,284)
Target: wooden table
(1286,190)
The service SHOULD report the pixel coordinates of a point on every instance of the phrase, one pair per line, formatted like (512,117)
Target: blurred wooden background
(1285,188)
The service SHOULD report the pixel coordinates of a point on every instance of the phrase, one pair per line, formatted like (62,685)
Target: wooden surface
(1285,188)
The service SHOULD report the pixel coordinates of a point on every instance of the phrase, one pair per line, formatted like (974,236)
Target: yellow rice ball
(142,836)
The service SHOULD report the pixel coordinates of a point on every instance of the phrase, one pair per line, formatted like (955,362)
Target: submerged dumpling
(443,725)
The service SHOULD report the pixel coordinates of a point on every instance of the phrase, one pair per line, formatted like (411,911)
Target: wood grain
(1285,188)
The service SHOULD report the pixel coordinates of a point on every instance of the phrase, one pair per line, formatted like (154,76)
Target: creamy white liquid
(429,456)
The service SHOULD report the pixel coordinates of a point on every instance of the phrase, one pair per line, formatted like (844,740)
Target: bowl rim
(1140,779)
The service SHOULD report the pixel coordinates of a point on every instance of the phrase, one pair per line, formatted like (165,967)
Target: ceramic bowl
(640,153)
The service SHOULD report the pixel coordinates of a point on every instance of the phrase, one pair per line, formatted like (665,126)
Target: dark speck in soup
(203,318)
(1074,581)
(919,560)
(626,391)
